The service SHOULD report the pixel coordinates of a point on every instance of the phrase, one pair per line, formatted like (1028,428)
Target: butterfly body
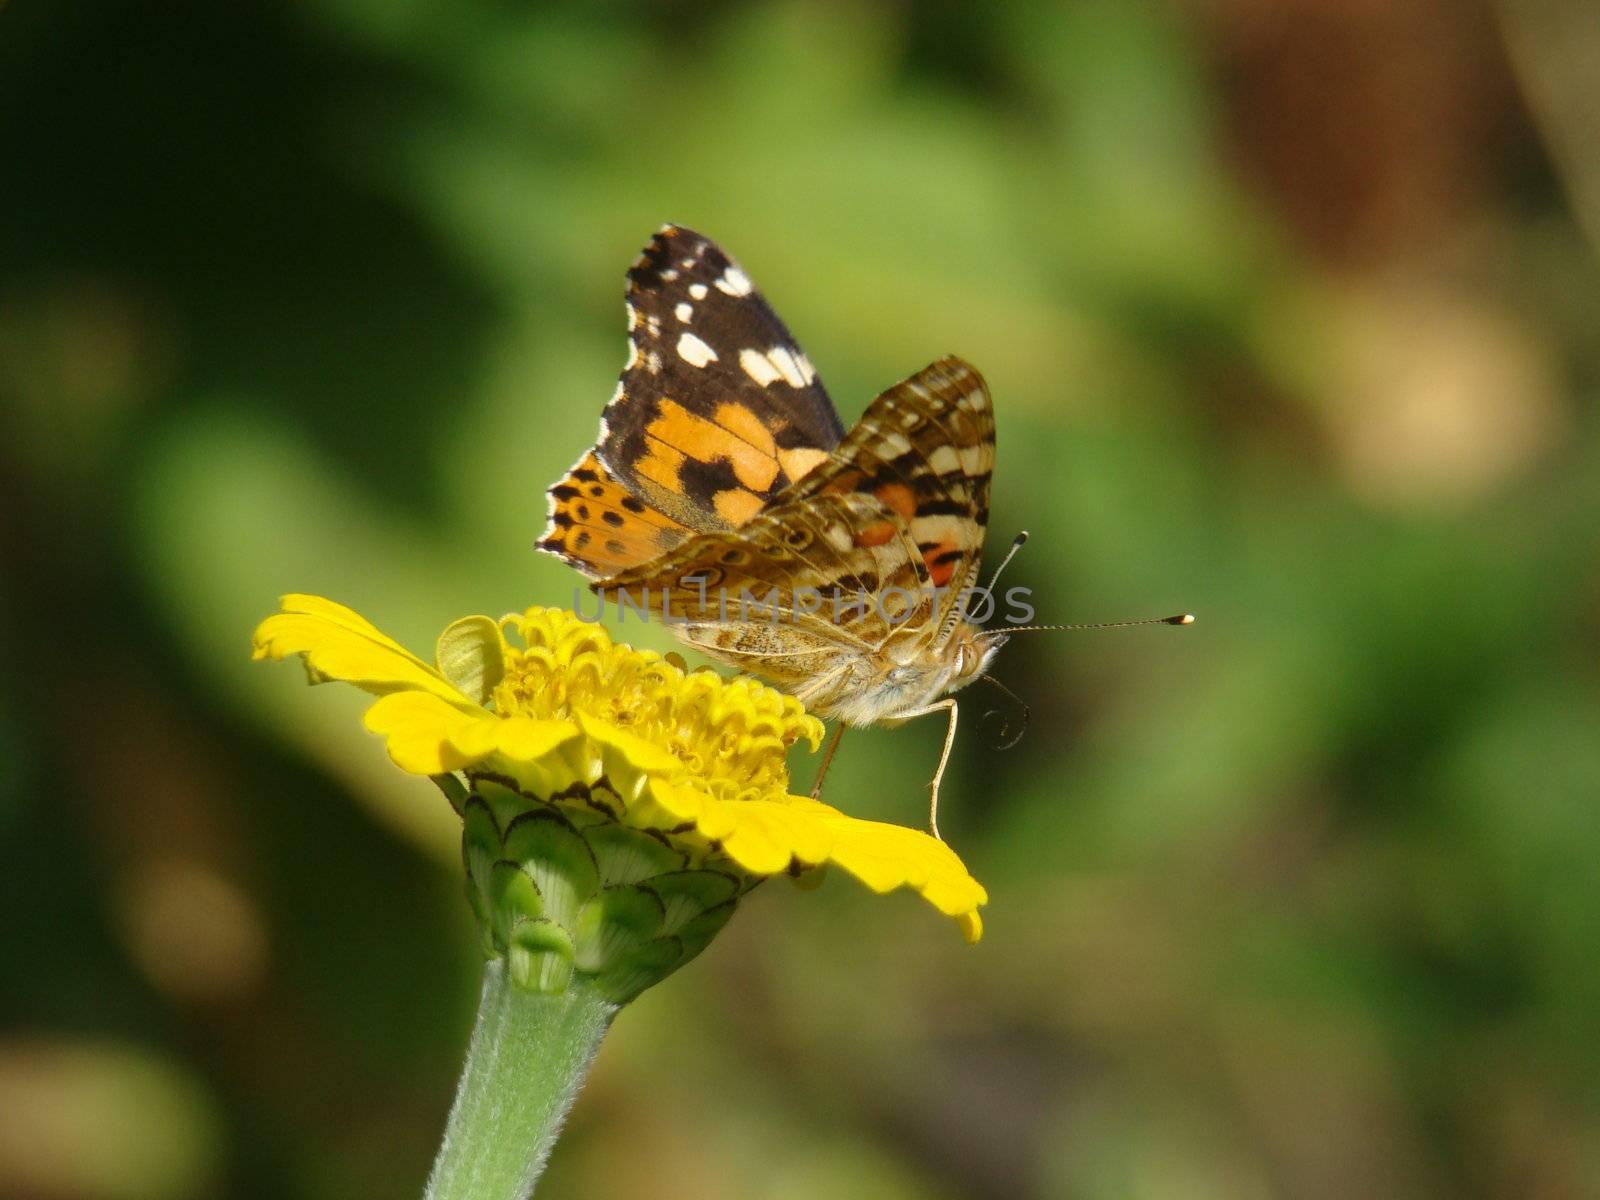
(901,681)
(725,496)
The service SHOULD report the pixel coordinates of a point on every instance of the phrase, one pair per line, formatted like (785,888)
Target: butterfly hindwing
(805,564)
(598,526)
(924,449)
(718,410)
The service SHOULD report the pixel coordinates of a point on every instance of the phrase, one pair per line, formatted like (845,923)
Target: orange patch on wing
(801,461)
(876,534)
(661,466)
(613,495)
(898,497)
(940,572)
(736,506)
(707,441)
(740,420)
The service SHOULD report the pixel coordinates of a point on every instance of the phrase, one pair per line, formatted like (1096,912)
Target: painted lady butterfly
(723,471)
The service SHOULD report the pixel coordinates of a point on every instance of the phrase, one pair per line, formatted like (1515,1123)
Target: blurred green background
(1292,315)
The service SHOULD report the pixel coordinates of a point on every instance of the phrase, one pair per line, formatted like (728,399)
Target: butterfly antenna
(1180,619)
(1016,544)
(1006,736)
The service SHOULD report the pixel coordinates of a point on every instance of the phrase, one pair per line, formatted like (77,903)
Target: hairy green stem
(528,1058)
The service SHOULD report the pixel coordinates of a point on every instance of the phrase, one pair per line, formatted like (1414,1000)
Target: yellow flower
(659,795)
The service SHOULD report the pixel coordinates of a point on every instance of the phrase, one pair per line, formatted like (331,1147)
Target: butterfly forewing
(718,410)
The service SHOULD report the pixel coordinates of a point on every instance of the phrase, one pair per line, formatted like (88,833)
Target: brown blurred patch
(1430,397)
(1370,124)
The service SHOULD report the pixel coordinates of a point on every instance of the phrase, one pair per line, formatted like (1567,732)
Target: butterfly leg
(827,758)
(944,757)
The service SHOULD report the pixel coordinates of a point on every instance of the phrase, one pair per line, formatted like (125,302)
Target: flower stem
(528,1058)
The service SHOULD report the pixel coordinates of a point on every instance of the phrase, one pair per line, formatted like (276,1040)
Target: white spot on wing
(695,352)
(734,282)
(806,368)
(684,311)
(697,290)
(758,366)
(787,367)
(897,442)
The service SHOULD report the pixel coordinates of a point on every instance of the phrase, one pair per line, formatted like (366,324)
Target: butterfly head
(928,673)
(974,649)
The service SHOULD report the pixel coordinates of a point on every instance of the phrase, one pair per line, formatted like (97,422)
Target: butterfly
(722,471)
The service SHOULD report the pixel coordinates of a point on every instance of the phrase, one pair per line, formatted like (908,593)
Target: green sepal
(615,922)
(697,932)
(639,969)
(631,855)
(480,847)
(513,897)
(504,802)
(540,955)
(686,894)
(557,858)
(454,791)
(563,893)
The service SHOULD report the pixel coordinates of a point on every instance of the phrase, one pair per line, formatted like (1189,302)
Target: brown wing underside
(804,567)
(924,449)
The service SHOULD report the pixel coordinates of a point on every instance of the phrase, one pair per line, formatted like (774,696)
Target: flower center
(732,736)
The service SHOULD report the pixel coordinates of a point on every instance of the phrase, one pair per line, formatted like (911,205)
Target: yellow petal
(340,644)
(638,753)
(524,739)
(971,925)
(766,835)
(680,804)
(885,857)
(423,730)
